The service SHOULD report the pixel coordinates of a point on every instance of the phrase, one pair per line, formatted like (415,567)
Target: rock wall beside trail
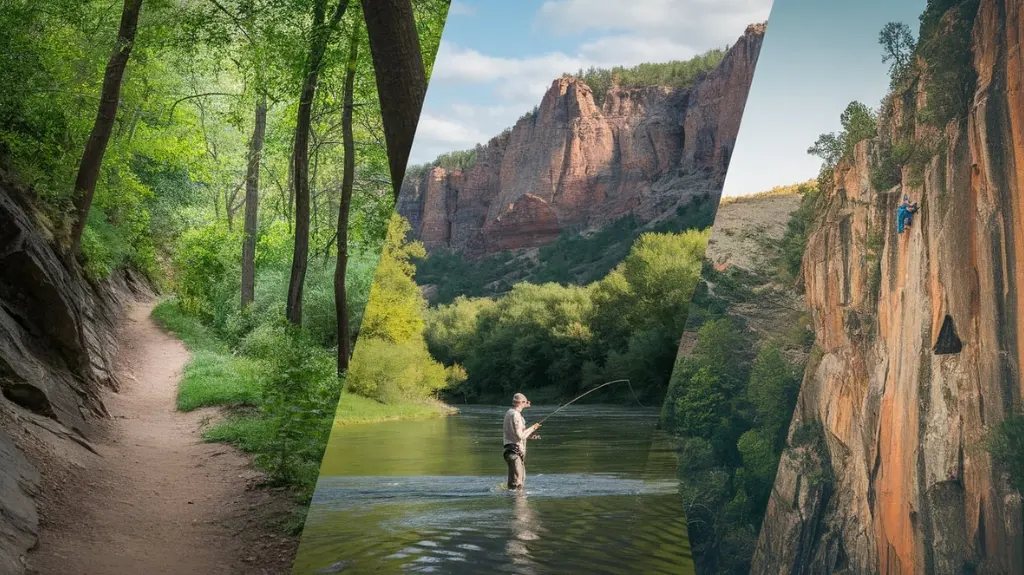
(573,165)
(903,484)
(57,349)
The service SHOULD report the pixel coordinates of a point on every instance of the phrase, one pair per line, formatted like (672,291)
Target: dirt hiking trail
(158,500)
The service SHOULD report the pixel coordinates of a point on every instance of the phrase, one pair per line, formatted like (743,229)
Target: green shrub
(1004,444)
(886,168)
(396,372)
(950,77)
(679,74)
(203,261)
(772,390)
(794,240)
(450,328)
(300,392)
(103,246)
(760,455)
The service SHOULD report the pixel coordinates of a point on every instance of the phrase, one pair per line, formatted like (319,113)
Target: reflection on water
(428,496)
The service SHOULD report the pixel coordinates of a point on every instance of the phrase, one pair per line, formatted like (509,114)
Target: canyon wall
(57,348)
(572,165)
(921,339)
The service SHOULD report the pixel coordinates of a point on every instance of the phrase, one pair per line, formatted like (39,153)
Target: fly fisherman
(516,434)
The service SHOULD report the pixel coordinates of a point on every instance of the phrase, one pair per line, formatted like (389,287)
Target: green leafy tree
(651,288)
(858,124)
(760,457)
(950,77)
(772,391)
(898,45)
(395,310)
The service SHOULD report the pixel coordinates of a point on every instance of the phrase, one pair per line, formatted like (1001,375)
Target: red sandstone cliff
(573,165)
(904,484)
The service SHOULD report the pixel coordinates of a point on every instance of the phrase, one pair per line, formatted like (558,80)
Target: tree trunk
(252,189)
(230,206)
(290,206)
(348,177)
(229,212)
(92,157)
(300,256)
(401,79)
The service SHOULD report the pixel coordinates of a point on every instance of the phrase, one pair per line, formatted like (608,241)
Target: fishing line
(563,406)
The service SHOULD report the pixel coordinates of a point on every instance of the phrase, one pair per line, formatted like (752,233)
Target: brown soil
(743,225)
(158,500)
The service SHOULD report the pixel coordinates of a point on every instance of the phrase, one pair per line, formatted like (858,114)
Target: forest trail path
(159,500)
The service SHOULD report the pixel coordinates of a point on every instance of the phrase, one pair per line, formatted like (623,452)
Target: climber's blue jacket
(901,218)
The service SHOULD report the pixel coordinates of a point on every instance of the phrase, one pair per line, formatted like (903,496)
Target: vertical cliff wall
(57,348)
(921,340)
(573,165)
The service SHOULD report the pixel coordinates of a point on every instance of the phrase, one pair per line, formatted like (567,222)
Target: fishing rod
(592,391)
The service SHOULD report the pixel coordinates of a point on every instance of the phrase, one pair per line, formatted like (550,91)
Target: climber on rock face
(905,214)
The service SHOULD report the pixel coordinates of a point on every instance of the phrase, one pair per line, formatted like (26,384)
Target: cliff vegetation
(913,400)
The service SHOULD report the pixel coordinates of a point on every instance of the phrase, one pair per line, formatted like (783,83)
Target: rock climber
(515,436)
(905,214)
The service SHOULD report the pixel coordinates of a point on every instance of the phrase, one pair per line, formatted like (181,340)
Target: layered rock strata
(921,337)
(57,349)
(573,165)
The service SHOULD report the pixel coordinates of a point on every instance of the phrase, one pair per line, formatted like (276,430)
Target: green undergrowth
(731,398)
(215,376)
(263,418)
(354,409)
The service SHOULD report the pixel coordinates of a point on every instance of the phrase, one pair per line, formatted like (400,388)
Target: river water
(428,497)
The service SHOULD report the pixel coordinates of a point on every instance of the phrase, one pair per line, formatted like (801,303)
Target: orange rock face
(573,165)
(913,490)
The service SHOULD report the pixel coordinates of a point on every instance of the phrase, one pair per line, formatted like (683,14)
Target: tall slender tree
(344,206)
(401,78)
(322,30)
(252,186)
(110,96)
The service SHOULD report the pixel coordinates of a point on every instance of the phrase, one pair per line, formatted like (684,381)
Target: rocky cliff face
(57,344)
(921,351)
(572,165)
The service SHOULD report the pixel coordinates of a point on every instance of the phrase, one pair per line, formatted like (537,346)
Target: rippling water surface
(428,497)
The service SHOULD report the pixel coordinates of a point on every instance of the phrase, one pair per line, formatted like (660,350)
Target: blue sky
(498,57)
(817,57)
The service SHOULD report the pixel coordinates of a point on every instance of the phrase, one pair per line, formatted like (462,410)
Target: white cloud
(518,82)
(627,50)
(460,126)
(483,113)
(702,22)
(442,130)
(619,33)
(458,64)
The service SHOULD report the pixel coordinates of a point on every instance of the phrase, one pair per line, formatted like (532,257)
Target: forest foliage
(573,259)
(731,397)
(207,115)
(557,340)
(673,74)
